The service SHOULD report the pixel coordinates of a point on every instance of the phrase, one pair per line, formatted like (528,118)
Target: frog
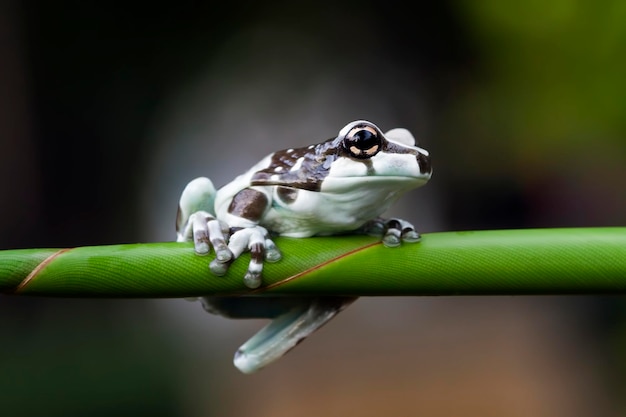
(338,186)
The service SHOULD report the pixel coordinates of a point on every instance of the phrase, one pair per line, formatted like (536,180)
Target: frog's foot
(206,231)
(254,239)
(293,320)
(393,231)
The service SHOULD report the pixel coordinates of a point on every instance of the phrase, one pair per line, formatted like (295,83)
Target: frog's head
(363,154)
(360,156)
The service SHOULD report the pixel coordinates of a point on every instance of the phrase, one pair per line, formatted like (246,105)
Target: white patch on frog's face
(346,167)
(297,165)
(388,168)
(400,136)
(395,165)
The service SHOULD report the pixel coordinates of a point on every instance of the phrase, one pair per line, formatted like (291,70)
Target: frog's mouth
(391,182)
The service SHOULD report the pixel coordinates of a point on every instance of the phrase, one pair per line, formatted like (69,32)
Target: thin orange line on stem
(37,269)
(313,268)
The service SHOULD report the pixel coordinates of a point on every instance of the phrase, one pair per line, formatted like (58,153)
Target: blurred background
(107,110)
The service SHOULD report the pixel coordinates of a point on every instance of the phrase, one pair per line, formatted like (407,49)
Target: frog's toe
(391,240)
(223,254)
(376,227)
(198,222)
(219,268)
(408,233)
(411,236)
(252,279)
(253,239)
(393,234)
(394,231)
(272,253)
(218,233)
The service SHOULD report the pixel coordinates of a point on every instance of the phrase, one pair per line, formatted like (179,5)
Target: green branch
(533,261)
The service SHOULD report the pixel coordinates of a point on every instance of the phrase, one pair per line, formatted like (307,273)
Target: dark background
(107,110)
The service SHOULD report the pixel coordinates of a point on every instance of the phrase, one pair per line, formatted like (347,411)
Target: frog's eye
(362,142)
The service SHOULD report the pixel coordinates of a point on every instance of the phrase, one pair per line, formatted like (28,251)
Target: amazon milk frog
(337,186)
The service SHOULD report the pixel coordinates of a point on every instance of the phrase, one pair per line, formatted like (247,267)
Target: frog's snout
(423,160)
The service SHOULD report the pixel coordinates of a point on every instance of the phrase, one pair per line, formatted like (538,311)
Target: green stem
(532,261)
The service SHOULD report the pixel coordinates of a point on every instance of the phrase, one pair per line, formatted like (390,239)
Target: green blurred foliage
(548,82)
(82,357)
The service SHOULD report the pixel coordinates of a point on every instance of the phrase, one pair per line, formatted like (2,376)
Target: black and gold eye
(362,142)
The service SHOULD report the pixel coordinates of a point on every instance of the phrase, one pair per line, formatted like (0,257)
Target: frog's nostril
(424,163)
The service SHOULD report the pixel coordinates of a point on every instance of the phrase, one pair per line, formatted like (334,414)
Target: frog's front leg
(393,231)
(255,239)
(243,212)
(235,232)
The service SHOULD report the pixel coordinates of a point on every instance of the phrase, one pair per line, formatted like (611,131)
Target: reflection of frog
(338,186)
